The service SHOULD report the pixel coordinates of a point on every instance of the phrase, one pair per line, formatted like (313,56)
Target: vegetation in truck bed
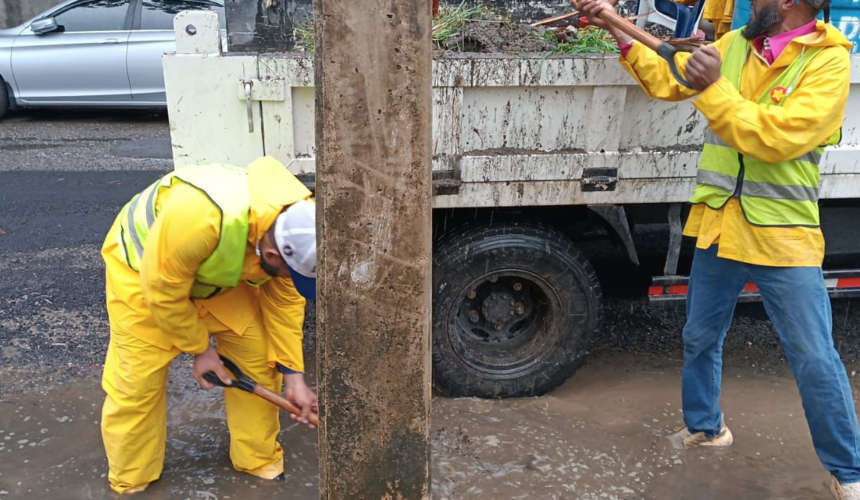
(304,35)
(481,29)
(452,23)
(587,40)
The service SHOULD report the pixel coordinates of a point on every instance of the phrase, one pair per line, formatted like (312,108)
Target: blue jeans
(797,303)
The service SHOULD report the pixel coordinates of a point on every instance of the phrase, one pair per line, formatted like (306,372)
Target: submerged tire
(515,310)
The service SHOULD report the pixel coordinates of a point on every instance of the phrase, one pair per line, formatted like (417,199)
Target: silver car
(92,54)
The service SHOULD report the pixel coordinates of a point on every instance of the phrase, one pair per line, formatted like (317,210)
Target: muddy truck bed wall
(507,130)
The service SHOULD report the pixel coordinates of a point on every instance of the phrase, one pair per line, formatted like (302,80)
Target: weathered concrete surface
(373,126)
(15,12)
(63,178)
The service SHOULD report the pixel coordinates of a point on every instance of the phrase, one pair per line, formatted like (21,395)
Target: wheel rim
(505,322)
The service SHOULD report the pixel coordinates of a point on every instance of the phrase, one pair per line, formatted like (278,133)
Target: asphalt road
(63,178)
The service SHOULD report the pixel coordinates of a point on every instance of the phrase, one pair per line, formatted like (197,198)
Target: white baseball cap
(296,237)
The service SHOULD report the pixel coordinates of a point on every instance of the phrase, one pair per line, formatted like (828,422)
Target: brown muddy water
(600,436)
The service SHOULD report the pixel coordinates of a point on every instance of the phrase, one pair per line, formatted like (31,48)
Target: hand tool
(247,384)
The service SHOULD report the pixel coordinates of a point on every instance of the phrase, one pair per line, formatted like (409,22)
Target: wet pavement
(64,176)
(600,436)
(50,447)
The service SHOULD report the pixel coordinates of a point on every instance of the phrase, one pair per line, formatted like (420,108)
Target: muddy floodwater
(600,436)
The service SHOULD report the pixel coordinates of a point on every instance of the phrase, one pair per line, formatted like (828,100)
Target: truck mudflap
(673,289)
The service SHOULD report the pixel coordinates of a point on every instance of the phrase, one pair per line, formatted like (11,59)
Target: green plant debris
(587,40)
(453,21)
(303,33)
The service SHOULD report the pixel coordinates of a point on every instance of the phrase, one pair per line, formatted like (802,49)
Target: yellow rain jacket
(720,13)
(180,242)
(773,134)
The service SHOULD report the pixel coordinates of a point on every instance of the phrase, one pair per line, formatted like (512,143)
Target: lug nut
(473,294)
(474,317)
(520,310)
(493,278)
(499,326)
(518,287)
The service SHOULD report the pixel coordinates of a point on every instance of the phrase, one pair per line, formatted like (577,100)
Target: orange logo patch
(777,94)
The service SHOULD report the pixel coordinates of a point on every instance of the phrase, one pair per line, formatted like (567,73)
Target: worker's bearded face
(270,258)
(269,269)
(763,18)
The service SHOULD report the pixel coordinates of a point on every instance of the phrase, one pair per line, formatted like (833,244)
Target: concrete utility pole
(373,139)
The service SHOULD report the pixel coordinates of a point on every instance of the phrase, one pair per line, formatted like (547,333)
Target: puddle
(598,437)
(601,436)
(50,447)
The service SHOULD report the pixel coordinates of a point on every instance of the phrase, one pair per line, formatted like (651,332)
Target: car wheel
(4,98)
(515,310)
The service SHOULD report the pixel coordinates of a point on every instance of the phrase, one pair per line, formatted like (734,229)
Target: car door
(82,63)
(151,37)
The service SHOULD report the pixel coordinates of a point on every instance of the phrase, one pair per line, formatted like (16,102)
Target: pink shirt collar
(776,44)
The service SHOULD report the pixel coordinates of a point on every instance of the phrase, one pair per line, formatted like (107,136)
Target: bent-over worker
(207,250)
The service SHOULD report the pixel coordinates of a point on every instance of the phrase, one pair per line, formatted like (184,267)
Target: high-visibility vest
(771,194)
(227,188)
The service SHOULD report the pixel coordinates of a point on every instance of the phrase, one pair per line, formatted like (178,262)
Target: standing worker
(774,94)
(207,250)
(719,12)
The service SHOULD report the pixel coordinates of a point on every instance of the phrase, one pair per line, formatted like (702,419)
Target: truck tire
(4,98)
(515,310)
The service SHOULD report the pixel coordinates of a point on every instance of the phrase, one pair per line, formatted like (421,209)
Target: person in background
(774,94)
(719,12)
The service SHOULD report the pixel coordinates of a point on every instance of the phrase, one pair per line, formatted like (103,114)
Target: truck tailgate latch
(599,179)
(255,89)
(248,85)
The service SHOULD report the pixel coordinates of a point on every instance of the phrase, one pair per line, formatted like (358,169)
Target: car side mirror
(43,26)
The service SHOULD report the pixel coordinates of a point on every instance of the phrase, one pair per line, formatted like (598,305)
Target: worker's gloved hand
(703,68)
(302,396)
(591,9)
(210,362)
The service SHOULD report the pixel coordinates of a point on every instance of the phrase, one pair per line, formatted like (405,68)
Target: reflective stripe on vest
(758,189)
(813,156)
(227,188)
(782,194)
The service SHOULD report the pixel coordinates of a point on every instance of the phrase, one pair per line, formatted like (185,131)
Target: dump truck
(530,154)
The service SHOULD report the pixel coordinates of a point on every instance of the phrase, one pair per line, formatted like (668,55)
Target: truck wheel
(4,98)
(515,309)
